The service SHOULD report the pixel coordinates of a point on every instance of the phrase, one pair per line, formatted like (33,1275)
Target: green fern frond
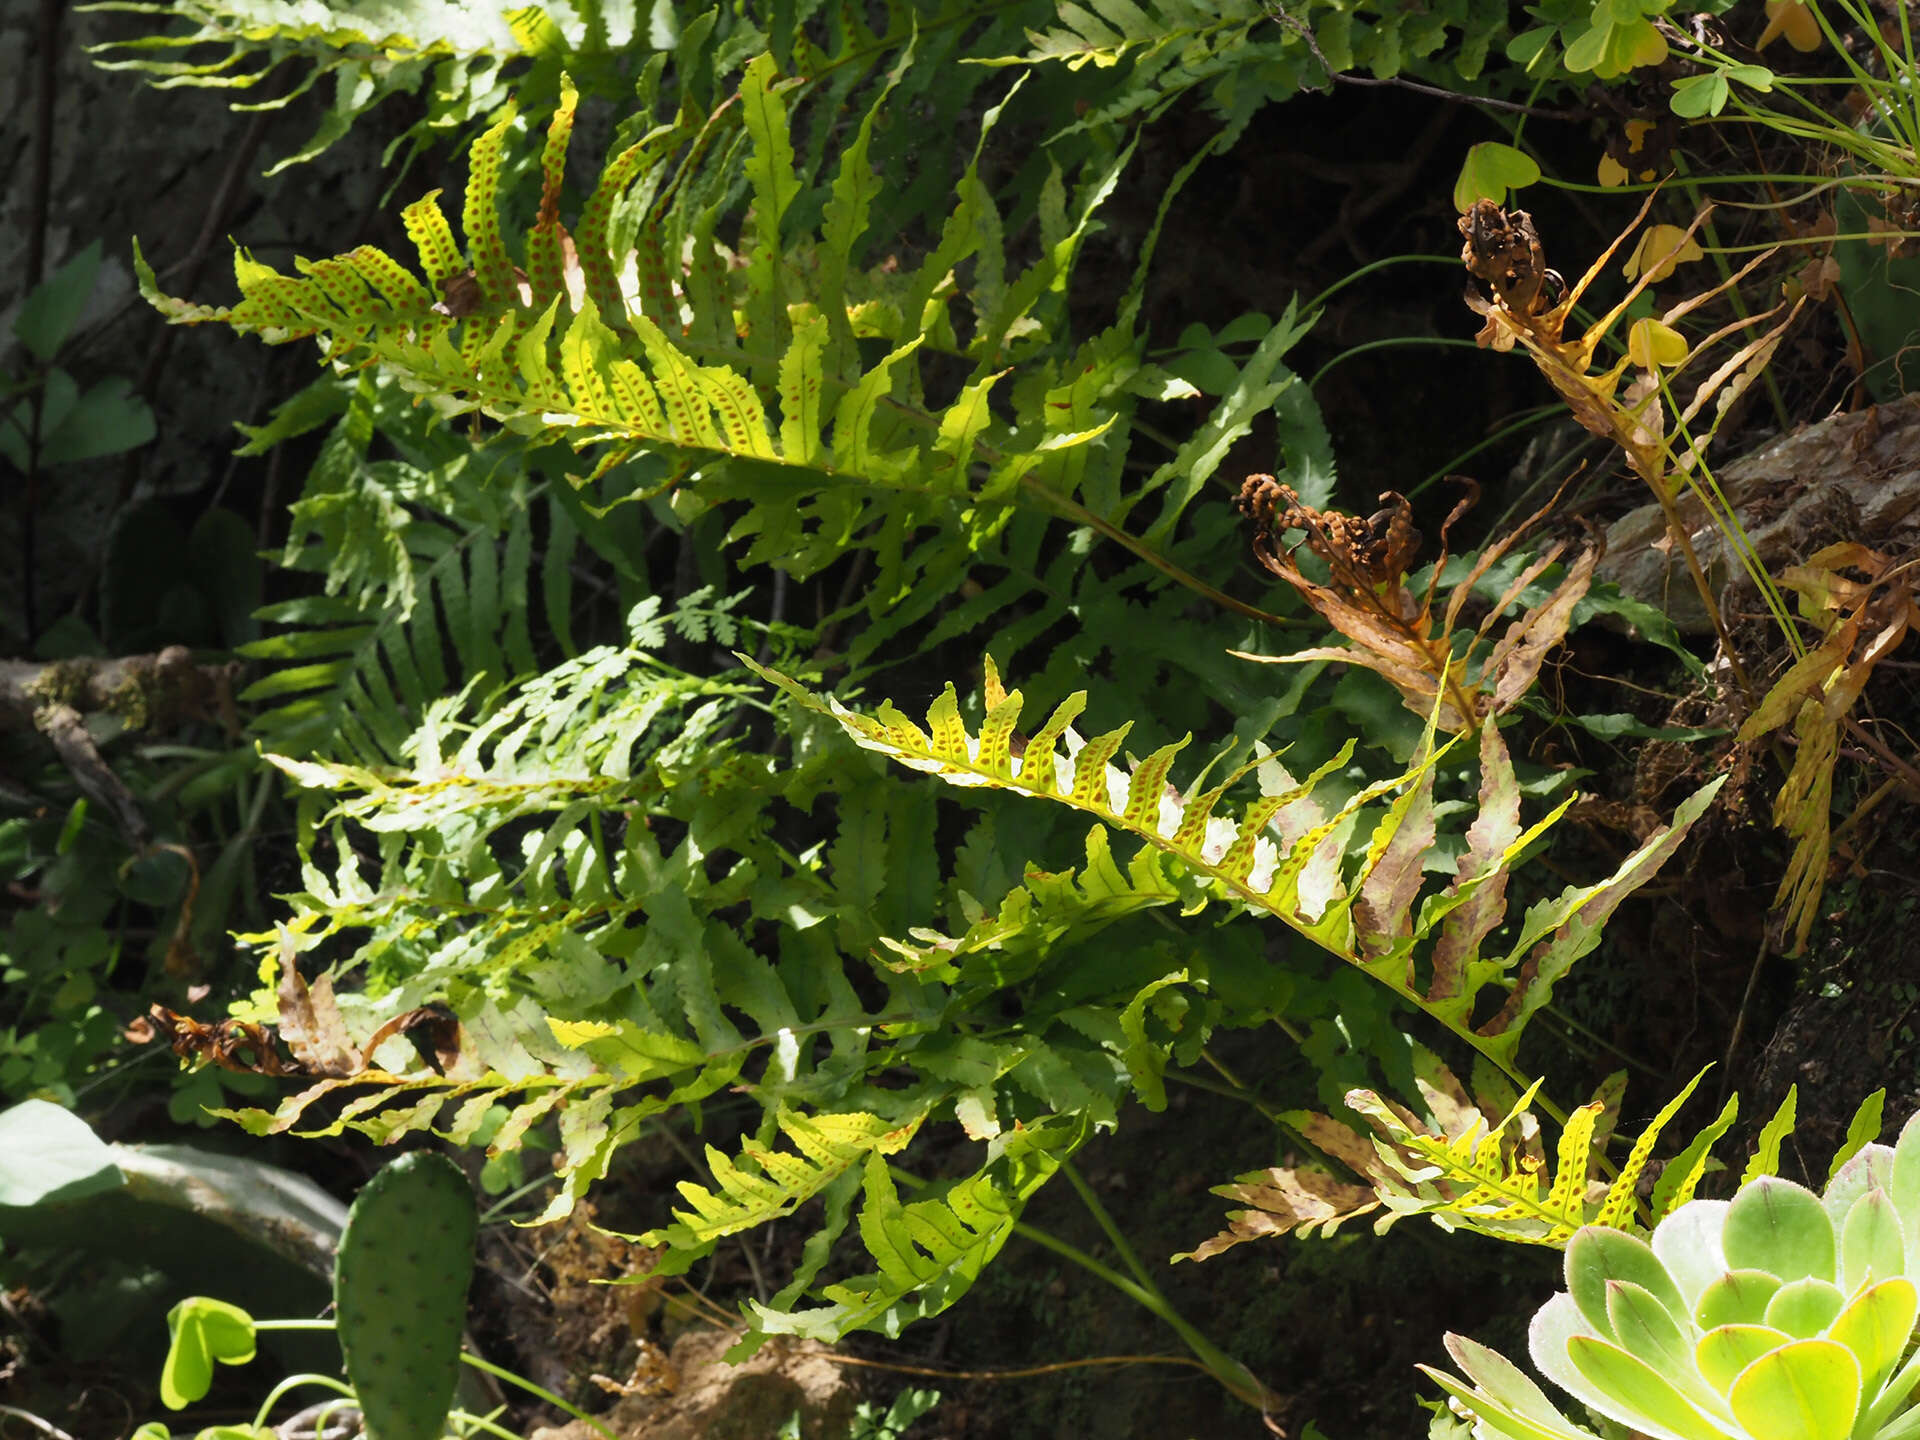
(1242,55)
(1283,855)
(823,457)
(459,58)
(767,1184)
(1034,917)
(929,1252)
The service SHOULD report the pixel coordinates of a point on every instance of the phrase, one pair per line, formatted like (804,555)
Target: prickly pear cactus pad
(400,1290)
(1778,1315)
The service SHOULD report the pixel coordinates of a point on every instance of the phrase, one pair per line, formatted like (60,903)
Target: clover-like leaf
(202,1331)
(1700,95)
(1660,248)
(1654,343)
(1490,171)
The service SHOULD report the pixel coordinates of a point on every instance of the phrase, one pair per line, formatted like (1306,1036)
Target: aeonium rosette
(1777,1315)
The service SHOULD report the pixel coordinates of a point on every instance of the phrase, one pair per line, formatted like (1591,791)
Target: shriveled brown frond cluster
(1394,632)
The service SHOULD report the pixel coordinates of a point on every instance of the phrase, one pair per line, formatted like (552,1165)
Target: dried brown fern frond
(1396,633)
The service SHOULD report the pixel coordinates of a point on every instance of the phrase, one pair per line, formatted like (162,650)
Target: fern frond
(1282,854)
(1034,917)
(459,55)
(766,1184)
(826,450)
(1460,1169)
(1242,57)
(929,1252)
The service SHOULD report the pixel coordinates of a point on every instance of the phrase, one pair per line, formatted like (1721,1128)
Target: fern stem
(1725,271)
(1237,1379)
(1105,1221)
(1073,510)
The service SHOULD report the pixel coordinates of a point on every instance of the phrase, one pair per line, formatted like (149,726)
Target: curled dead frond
(1863,618)
(1395,633)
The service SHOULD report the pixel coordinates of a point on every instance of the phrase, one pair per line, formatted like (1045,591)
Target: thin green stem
(484,1422)
(1452,262)
(1239,1381)
(1527,420)
(294,1382)
(1105,1222)
(1393,342)
(532,1389)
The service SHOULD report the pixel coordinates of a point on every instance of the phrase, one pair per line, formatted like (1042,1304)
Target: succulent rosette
(1777,1315)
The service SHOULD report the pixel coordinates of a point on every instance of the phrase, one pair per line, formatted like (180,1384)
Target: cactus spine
(400,1292)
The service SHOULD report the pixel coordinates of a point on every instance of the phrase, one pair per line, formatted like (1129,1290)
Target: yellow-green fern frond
(1285,853)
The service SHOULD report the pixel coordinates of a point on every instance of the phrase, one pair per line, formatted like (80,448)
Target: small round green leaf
(1804,1308)
(1808,1390)
(1490,171)
(1738,1297)
(203,1331)
(1529,45)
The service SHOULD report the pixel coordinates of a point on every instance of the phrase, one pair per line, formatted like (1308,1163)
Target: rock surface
(1852,477)
(712,1400)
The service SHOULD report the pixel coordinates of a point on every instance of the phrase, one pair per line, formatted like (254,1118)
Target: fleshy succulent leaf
(1738,1297)
(1871,1247)
(1688,1244)
(1804,1308)
(1636,1393)
(1724,1351)
(1779,1227)
(1649,1331)
(1503,1382)
(1809,1390)
(1906,1182)
(1599,1255)
(1501,1420)
(1875,1327)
